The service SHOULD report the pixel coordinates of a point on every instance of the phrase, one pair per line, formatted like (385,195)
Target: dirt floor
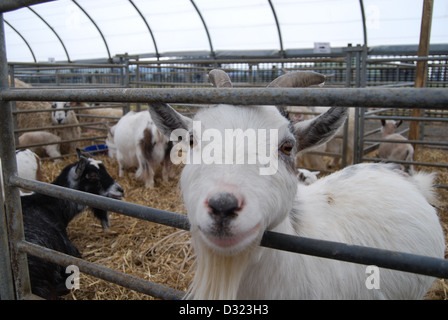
(162,254)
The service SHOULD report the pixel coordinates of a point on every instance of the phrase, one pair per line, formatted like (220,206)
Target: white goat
(230,206)
(28,166)
(61,116)
(394,150)
(138,143)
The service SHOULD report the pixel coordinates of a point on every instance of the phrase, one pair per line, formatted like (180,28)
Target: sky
(232,25)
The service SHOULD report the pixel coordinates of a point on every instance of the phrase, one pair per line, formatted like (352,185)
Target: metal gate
(14,276)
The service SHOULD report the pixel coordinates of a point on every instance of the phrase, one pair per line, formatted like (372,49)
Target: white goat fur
(28,167)
(394,151)
(368,204)
(136,142)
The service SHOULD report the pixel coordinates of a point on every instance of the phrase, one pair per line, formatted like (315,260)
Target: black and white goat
(46,219)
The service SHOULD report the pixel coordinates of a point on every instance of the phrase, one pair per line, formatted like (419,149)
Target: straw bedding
(158,253)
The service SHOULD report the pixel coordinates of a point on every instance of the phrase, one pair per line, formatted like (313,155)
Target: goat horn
(297,79)
(219,78)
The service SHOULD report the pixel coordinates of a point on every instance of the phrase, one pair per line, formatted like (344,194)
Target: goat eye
(286,148)
(92,176)
(192,141)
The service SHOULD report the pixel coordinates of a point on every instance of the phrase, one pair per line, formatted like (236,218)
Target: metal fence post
(6,279)
(14,221)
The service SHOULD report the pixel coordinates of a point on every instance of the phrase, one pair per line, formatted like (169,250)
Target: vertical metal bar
(6,278)
(127,107)
(13,103)
(12,198)
(361,130)
(344,144)
(364,54)
(422,66)
(348,72)
(356,138)
(358,67)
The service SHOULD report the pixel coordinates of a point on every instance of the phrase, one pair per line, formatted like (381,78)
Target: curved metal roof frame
(54,31)
(96,26)
(23,38)
(8,4)
(147,26)
(212,52)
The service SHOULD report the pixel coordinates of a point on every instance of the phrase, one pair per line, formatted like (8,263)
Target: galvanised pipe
(132,282)
(13,219)
(421,98)
(130,209)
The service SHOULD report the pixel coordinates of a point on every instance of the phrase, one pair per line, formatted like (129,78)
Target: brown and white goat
(138,143)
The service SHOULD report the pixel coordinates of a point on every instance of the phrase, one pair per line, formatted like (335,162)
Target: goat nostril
(223,204)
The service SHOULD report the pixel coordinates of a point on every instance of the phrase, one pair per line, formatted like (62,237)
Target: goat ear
(314,132)
(398,123)
(167,119)
(80,167)
(82,154)
(383,122)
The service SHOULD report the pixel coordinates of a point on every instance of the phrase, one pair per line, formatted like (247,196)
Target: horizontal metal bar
(62,141)
(358,254)
(326,249)
(132,282)
(116,106)
(410,118)
(422,98)
(429,143)
(83,124)
(130,209)
(399,59)
(416,163)
(207,62)
(20,66)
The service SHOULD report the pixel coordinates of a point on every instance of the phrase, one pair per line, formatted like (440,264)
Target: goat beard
(217,277)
